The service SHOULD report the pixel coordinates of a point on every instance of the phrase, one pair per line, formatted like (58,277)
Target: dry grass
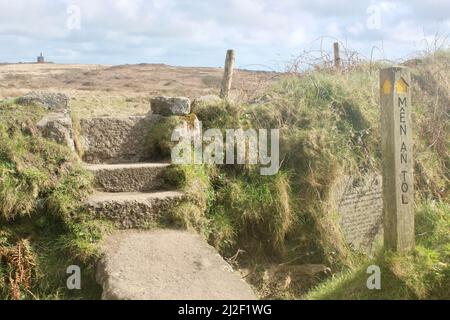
(20,264)
(103,90)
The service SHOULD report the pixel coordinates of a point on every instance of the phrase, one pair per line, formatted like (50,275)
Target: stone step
(133,209)
(133,177)
(116,140)
(166,265)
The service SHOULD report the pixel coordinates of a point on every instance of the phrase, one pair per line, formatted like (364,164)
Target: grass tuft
(43,227)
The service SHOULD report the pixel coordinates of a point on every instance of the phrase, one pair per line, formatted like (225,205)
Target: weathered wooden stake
(396,143)
(337,56)
(227,75)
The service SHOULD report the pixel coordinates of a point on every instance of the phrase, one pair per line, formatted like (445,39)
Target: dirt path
(167,265)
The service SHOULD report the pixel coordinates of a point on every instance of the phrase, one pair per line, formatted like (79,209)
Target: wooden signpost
(396,138)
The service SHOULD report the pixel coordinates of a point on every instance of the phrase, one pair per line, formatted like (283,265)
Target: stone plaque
(359,204)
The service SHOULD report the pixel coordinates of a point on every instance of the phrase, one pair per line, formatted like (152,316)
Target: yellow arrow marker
(402,86)
(387,87)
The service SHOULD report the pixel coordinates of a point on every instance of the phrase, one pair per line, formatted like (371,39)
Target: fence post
(397,159)
(337,56)
(227,75)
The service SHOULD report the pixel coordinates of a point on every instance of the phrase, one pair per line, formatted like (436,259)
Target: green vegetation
(423,274)
(195,182)
(158,139)
(43,228)
(329,125)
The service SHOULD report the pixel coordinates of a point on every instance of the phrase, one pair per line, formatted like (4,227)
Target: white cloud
(187,32)
(297,37)
(356,29)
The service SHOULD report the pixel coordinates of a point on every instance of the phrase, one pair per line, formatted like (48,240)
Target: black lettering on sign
(403,149)
(403,129)
(404,201)
(404,175)
(404,158)
(405,187)
(402,117)
(404,154)
(402,105)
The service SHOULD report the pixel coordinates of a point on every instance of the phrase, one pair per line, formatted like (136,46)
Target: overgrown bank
(43,229)
(329,122)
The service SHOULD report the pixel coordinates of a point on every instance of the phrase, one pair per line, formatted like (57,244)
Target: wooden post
(227,75)
(337,56)
(396,143)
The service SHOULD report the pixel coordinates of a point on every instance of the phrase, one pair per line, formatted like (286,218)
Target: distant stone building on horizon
(40,59)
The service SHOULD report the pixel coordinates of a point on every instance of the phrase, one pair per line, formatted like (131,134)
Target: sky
(266,34)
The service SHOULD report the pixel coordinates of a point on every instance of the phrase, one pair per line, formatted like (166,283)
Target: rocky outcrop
(57,124)
(166,265)
(167,106)
(58,127)
(54,102)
